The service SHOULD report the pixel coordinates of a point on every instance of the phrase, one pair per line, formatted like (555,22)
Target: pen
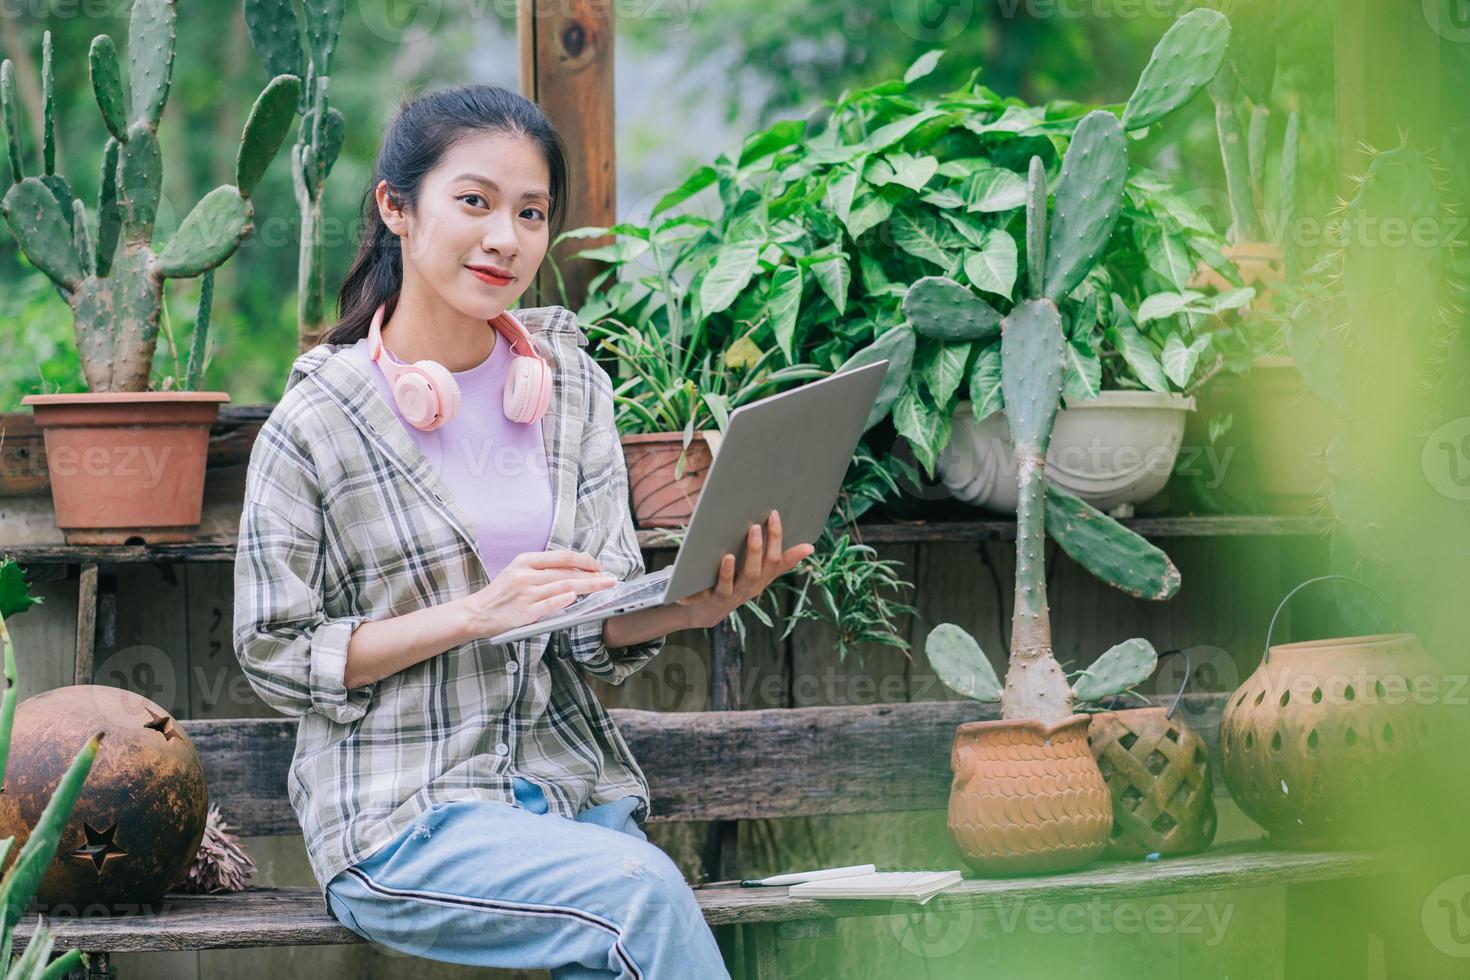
(799,876)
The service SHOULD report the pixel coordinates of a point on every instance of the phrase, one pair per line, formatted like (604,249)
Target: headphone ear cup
(527,389)
(445,387)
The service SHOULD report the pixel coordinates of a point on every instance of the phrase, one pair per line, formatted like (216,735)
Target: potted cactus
(1132,361)
(127,463)
(18,885)
(1027,795)
(284,49)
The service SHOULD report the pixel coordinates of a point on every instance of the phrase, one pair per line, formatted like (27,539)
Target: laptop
(787,452)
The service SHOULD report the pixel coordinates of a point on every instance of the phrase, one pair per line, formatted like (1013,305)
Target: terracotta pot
(1027,797)
(1290,429)
(660,500)
(127,467)
(140,816)
(1326,731)
(1158,773)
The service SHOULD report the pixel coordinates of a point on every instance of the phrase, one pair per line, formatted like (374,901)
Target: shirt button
(512,667)
(502,749)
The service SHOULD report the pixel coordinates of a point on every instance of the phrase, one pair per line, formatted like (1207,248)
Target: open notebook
(917,885)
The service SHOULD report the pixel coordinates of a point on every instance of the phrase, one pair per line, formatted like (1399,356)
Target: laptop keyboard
(648,585)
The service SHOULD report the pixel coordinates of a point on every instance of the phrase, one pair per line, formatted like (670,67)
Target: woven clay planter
(1158,773)
(127,467)
(1326,732)
(1027,797)
(660,500)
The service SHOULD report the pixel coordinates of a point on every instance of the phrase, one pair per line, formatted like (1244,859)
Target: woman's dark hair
(417,138)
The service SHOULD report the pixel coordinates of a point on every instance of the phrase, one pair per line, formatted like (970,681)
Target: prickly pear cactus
(110,275)
(1032,342)
(285,46)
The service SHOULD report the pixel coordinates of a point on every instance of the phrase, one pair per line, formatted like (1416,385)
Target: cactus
(116,294)
(18,885)
(1032,344)
(284,47)
(1116,671)
(1184,61)
(942,309)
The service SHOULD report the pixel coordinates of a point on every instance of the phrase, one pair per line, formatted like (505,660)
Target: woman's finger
(751,571)
(725,587)
(773,537)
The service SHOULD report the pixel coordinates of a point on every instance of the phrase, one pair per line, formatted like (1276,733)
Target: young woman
(462,800)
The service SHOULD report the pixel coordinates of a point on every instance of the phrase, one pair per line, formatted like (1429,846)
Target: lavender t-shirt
(494,468)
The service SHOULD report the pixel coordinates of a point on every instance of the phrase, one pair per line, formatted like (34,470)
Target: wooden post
(86,649)
(566,67)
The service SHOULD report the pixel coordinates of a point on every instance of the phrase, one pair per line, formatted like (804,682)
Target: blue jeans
(484,883)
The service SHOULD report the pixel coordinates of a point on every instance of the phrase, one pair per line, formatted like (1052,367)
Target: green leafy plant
(19,883)
(1061,252)
(107,270)
(276,31)
(825,227)
(674,387)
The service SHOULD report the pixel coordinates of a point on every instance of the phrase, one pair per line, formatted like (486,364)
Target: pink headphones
(428,396)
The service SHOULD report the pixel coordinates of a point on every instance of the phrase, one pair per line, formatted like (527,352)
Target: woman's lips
(491,278)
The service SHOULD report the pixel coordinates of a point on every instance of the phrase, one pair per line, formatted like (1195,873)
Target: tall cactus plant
(19,883)
(284,48)
(1088,201)
(108,271)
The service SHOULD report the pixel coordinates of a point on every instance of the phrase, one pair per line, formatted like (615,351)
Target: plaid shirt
(345,520)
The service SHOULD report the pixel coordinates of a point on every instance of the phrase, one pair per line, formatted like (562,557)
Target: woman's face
(485,205)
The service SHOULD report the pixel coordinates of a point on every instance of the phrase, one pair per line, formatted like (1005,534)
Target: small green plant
(286,49)
(675,387)
(1061,252)
(106,268)
(18,885)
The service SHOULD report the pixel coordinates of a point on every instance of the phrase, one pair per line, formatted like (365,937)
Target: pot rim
(1108,400)
(92,398)
(976,727)
(1367,639)
(639,437)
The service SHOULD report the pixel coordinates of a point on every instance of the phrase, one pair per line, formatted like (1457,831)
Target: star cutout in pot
(100,846)
(162,724)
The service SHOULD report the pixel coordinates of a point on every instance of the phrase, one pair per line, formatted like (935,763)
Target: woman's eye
(536,211)
(467,197)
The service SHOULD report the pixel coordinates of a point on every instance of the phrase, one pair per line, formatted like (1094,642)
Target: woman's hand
(763,565)
(533,585)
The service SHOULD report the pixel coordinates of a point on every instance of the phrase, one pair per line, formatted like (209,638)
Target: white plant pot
(1113,451)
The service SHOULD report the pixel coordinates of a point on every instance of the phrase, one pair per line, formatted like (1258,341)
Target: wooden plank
(297,916)
(221,547)
(85,663)
(706,765)
(566,67)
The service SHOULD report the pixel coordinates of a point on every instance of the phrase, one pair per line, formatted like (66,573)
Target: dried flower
(221,864)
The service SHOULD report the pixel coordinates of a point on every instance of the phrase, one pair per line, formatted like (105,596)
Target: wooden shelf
(918,532)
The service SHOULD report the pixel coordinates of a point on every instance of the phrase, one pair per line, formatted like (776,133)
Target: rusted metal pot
(1158,771)
(141,813)
(1027,797)
(1326,734)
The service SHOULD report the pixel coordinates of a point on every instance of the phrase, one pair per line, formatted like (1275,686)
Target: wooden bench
(701,766)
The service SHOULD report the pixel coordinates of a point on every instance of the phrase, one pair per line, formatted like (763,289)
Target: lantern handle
(1188,668)
(1266,655)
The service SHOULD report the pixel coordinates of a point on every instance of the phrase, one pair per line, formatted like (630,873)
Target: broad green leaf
(1161,306)
(993,267)
(923,65)
(996,189)
(869,210)
(1140,357)
(1179,360)
(1082,371)
(834,276)
(692,185)
(946,371)
(1231,299)
(885,136)
(783,305)
(1168,255)
(920,237)
(986,397)
(731,273)
(763,144)
(840,193)
(901,168)
(926,429)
